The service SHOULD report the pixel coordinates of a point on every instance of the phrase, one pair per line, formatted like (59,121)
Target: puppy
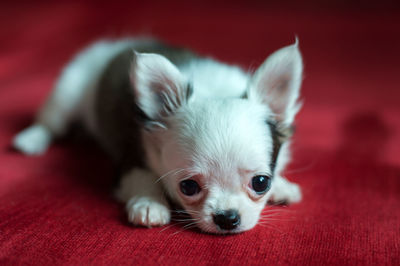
(209,136)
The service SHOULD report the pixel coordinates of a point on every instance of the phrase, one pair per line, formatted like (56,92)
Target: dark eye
(261,184)
(189,187)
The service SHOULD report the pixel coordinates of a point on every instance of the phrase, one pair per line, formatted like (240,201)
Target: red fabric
(58,209)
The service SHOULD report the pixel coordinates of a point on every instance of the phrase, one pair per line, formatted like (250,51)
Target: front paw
(285,192)
(146,211)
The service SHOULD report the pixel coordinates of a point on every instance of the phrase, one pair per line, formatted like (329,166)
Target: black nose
(227,220)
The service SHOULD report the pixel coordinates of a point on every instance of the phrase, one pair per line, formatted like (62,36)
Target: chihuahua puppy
(208,135)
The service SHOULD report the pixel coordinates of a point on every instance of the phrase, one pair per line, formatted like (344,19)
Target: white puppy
(209,136)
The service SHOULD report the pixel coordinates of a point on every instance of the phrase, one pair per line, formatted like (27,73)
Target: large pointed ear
(158,85)
(277,83)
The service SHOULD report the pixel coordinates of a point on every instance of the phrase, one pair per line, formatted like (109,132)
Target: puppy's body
(178,123)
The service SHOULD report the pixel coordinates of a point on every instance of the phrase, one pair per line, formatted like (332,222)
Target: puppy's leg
(144,198)
(33,140)
(51,121)
(53,118)
(63,103)
(284,192)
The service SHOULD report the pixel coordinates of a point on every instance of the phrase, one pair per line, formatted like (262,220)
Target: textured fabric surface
(58,208)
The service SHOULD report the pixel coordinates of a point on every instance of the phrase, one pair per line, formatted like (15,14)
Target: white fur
(277,83)
(154,76)
(144,198)
(284,191)
(213,79)
(34,140)
(215,138)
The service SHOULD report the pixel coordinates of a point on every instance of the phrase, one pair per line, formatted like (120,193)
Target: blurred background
(350,49)
(346,146)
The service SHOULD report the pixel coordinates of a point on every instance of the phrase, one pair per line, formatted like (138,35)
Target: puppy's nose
(227,220)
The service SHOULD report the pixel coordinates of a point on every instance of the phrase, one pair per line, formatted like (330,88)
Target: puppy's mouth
(213,224)
(215,229)
(217,222)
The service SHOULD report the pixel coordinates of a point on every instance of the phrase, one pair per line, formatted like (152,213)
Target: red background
(58,209)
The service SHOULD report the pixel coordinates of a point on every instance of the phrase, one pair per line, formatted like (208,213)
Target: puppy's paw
(148,212)
(33,141)
(285,192)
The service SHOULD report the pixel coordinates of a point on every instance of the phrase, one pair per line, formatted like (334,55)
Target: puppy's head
(217,157)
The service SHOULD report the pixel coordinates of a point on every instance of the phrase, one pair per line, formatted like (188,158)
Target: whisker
(269,217)
(281,203)
(171,225)
(302,169)
(272,214)
(185,220)
(167,227)
(172,172)
(189,225)
(186,227)
(277,212)
(276,219)
(274,209)
(271,227)
(186,212)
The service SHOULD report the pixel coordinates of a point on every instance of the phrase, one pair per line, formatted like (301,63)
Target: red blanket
(58,208)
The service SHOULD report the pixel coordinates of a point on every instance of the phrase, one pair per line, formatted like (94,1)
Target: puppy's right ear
(159,86)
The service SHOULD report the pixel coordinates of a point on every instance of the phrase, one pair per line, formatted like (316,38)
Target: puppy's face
(219,165)
(216,157)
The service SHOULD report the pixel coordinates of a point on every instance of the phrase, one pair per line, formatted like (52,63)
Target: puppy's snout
(227,220)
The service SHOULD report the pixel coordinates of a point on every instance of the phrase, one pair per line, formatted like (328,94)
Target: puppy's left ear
(277,83)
